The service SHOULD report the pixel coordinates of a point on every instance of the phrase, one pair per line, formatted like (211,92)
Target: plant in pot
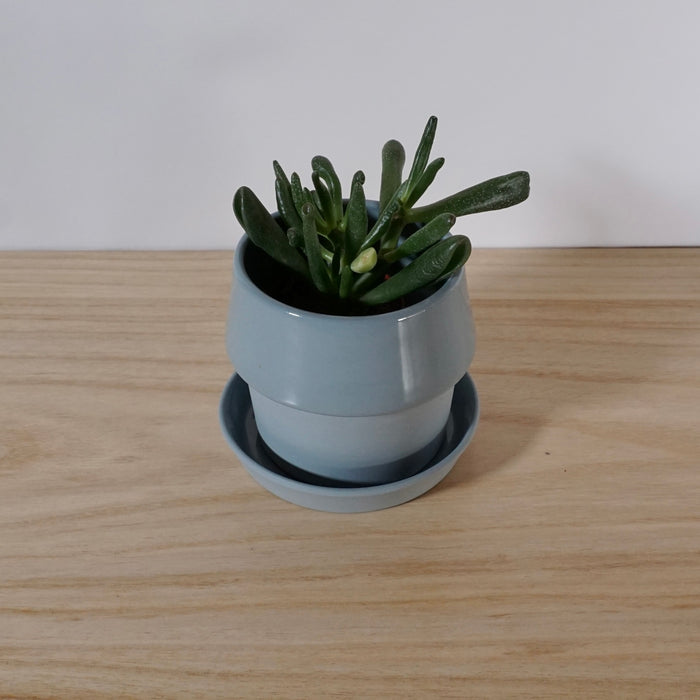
(351,333)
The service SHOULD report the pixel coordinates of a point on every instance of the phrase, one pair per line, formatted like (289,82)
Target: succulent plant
(334,245)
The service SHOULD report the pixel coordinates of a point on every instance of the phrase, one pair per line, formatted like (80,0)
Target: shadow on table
(501,435)
(556,344)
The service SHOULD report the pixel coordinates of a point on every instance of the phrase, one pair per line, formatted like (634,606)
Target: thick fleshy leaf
(324,201)
(423,238)
(346,279)
(295,237)
(297,190)
(317,267)
(326,171)
(426,179)
(387,217)
(497,193)
(265,232)
(285,201)
(420,160)
(439,261)
(393,159)
(311,197)
(355,217)
(237,196)
(369,280)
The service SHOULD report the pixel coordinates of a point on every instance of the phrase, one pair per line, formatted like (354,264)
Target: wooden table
(560,557)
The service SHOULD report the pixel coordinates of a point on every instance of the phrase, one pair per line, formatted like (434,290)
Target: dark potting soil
(287,287)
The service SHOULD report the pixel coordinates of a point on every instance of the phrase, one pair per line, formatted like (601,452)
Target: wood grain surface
(560,557)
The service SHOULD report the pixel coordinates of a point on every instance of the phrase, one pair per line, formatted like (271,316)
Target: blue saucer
(239,428)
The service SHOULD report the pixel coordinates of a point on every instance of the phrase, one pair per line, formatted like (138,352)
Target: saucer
(239,428)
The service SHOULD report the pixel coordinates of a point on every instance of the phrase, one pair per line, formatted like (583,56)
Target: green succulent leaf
(420,160)
(326,171)
(436,263)
(265,232)
(285,201)
(423,238)
(328,243)
(297,192)
(356,216)
(311,197)
(295,238)
(324,201)
(320,274)
(346,280)
(237,204)
(426,179)
(497,193)
(363,283)
(387,216)
(393,159)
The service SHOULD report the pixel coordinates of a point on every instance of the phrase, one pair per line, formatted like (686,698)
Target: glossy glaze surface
(360,449)
(349,366)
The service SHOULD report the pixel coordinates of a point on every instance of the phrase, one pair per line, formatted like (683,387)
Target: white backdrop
(129,124)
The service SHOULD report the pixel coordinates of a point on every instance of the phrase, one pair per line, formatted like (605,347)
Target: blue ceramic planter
(354,399)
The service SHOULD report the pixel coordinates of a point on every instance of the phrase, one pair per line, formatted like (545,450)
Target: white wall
(129,124)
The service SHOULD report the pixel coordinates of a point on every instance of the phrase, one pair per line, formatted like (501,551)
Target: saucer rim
(350,499)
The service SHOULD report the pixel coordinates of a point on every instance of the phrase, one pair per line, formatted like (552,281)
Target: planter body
(359,399)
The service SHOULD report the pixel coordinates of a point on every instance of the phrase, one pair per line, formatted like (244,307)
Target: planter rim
(387,316)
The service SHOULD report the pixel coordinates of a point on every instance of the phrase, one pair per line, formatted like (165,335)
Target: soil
(289,288)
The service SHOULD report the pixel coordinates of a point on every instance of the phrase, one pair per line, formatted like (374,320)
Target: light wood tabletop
(559,558)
